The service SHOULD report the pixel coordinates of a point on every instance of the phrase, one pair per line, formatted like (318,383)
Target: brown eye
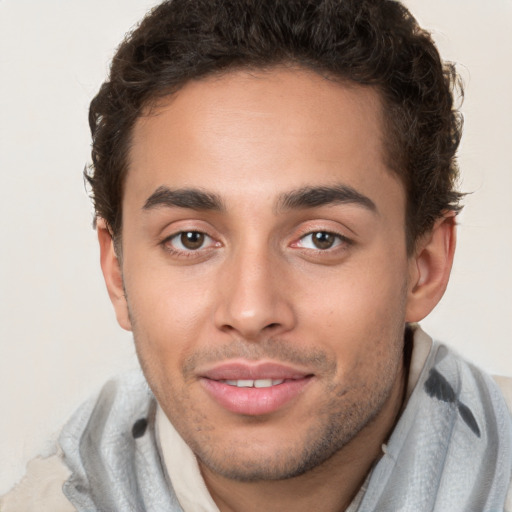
(192,240)
(189,244)
(323,239)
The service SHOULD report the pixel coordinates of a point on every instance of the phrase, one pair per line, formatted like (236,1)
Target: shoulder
(111,449)
(505,385)
(40,490)
(95,429)
(475,400)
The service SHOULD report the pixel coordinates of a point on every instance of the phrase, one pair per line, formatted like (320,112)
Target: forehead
(259,132)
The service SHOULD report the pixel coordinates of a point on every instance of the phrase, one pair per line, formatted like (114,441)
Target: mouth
(254,389)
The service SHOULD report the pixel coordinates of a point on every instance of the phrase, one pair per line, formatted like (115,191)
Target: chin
(247,458)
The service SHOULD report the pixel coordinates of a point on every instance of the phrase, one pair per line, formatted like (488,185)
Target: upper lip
(251,370)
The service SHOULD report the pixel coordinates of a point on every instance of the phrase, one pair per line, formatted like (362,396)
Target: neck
(333,484)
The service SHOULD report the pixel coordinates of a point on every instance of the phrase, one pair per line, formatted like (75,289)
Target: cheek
(359,297)
(360,315)
(167,313)
(165,325)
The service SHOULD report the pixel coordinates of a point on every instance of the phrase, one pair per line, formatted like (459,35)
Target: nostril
(272,325)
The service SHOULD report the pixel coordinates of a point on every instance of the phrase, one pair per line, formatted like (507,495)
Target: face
(265,268)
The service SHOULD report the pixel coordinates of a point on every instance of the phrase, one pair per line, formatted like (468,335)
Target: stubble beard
(339,420)
(335,428)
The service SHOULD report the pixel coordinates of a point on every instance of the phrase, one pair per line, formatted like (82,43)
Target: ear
(429,268)
(112,274)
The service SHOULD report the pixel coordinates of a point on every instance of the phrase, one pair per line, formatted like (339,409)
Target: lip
(254,401)
(237,370)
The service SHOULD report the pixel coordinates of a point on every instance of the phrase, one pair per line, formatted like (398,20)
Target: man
(274,184)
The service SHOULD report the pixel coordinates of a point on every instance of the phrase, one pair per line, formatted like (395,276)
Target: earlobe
(112,274)
(430,267)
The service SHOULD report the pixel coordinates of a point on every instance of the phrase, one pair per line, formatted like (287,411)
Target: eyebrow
(305,197)
(192,198)
(314,197)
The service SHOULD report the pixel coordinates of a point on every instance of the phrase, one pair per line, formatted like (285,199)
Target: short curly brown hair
(370,42)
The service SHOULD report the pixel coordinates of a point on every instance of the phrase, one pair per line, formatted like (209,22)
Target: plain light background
(58,336)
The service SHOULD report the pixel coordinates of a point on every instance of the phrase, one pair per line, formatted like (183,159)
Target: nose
(254,300)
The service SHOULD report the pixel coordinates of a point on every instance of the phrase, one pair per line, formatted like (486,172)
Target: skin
(255,288)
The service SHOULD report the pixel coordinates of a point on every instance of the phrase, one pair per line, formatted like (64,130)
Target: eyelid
(322,226)
(185,224)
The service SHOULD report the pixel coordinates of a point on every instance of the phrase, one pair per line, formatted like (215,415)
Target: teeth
(259,383)
(245,383)
(263,383)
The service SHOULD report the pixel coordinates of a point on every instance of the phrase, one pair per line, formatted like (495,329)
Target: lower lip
(254,401)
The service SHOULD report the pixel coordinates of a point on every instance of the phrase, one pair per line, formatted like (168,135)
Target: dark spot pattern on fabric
(438,387)
(139,428)
(80,488)
(468,417)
